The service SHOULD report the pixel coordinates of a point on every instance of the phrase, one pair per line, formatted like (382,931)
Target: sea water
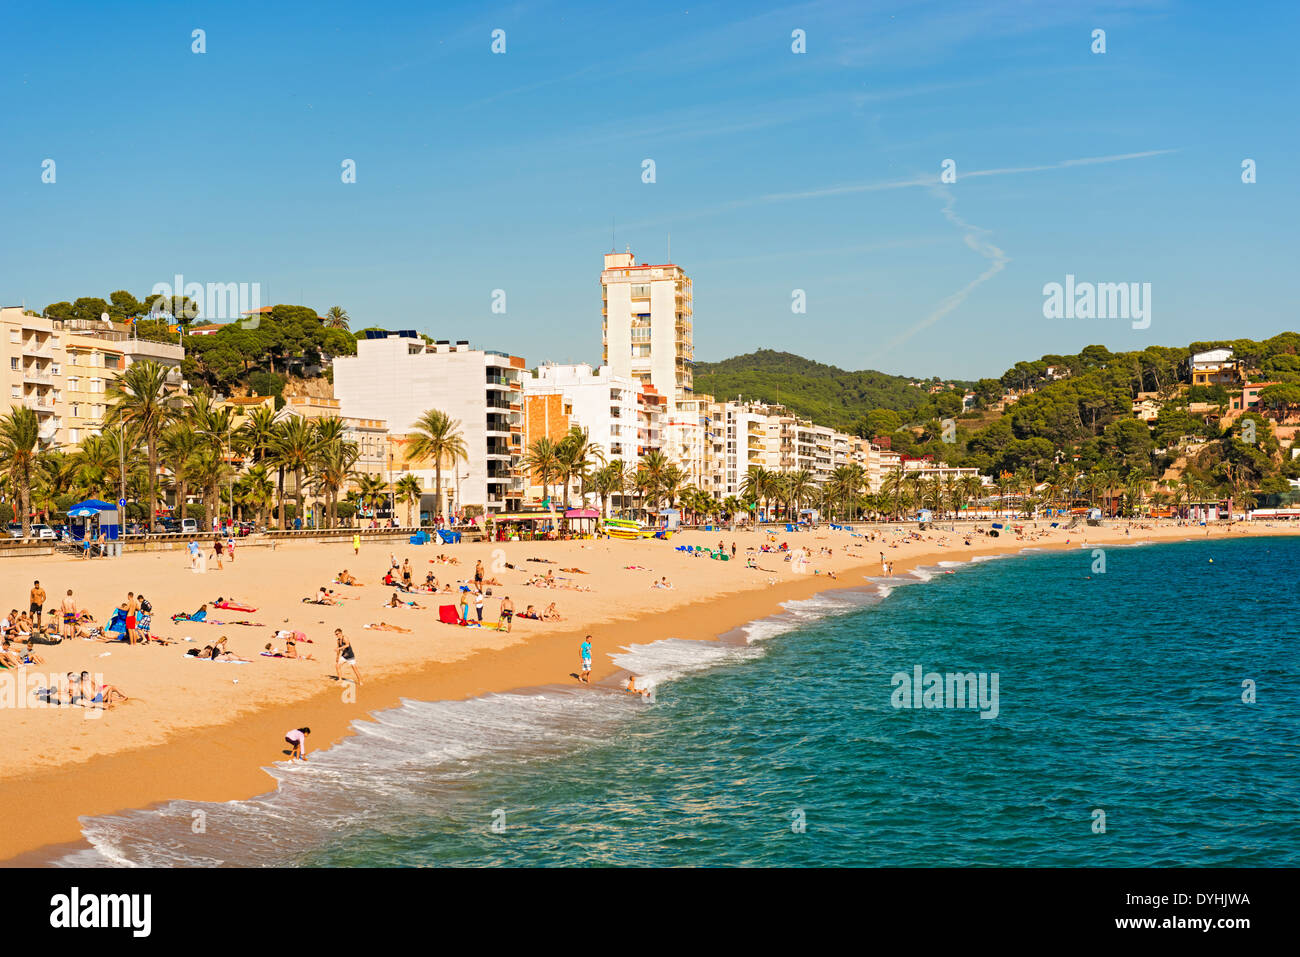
(1147,714)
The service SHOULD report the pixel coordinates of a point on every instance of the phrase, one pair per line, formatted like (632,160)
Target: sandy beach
(207,730)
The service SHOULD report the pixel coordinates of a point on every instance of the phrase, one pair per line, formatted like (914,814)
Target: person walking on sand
(36,602)
(585,648)
(217,548)
(68,617)
(345,656)
(298,738)
(507,614)
(131,607)
(356,543)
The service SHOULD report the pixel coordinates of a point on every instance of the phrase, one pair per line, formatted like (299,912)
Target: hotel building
(646,329)
(63,369)
(396,377)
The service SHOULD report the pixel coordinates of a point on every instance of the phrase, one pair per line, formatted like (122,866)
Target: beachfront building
(646,329)
(609,407)
(370,436)
(63,370)
(396,377)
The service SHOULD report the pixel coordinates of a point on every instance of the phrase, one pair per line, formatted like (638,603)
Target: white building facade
(397,377)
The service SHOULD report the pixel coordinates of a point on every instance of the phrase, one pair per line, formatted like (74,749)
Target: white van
(189,526)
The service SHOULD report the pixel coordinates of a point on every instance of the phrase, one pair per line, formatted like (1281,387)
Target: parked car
(190,526)
(15,530)
(43,532)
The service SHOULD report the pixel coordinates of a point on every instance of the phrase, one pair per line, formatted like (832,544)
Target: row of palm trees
(156,439)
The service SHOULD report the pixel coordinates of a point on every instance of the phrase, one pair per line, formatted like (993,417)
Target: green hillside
(825,394)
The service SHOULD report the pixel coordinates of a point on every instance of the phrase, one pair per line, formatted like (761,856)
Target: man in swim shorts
(37,602)
(68,626)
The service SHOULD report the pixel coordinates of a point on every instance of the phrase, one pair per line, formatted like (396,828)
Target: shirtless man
(37,601)
(68,616)
(132,607)
(507,613)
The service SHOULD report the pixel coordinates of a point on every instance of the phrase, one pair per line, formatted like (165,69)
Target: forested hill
(825,394)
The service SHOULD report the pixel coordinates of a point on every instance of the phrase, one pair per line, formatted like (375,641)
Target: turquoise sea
(1119,691)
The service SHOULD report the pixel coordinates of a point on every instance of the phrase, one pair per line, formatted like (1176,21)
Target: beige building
(62,369)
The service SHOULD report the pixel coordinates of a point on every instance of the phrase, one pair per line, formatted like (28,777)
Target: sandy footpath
(205,731)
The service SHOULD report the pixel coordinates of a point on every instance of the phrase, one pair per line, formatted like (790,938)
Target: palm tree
(334,471)
(671,482)
(372,490)
(255,489)
(407,489)
(141,401)
(798,489)
(542,459)
(178,450)
(294,449)
(337,318)
(655,466)
(257,434)
(436,435)
(607,480)
(95,465)
(20,436)
(576,453)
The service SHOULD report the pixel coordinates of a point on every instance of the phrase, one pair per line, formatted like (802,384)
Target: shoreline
(148,777)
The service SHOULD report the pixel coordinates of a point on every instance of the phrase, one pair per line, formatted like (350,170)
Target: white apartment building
(646,329)
(396,377)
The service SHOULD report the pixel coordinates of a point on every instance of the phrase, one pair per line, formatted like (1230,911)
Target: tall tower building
(647,325)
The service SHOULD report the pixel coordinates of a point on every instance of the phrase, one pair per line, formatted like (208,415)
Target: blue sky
(775,171)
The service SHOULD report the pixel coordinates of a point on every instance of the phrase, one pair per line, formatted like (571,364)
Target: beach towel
(447,615)
(232,606)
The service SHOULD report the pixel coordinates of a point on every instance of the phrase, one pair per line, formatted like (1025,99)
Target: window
(13,363)
(16,391)
(641,291)
(72,383)
(76,410)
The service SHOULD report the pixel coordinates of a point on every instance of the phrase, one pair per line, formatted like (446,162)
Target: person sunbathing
(290,651)
(324,597)
(551,614)
(385,626)
(574,571)
(661,583)
(103,695)
(396,602)
(9,659)
(344,578)
(530,612)
(216,652)
(199,615)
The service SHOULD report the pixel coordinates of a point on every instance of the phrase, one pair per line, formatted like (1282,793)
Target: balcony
(42,406)
(32,374)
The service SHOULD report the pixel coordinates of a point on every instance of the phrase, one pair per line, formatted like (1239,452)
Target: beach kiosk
(90,519)
(582,520)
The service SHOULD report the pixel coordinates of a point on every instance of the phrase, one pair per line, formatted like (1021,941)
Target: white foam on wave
(404,763)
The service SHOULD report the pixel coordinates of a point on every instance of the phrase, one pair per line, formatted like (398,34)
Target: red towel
(447,615)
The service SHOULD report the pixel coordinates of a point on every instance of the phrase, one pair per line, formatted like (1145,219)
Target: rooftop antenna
(612,247)
(670,246)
